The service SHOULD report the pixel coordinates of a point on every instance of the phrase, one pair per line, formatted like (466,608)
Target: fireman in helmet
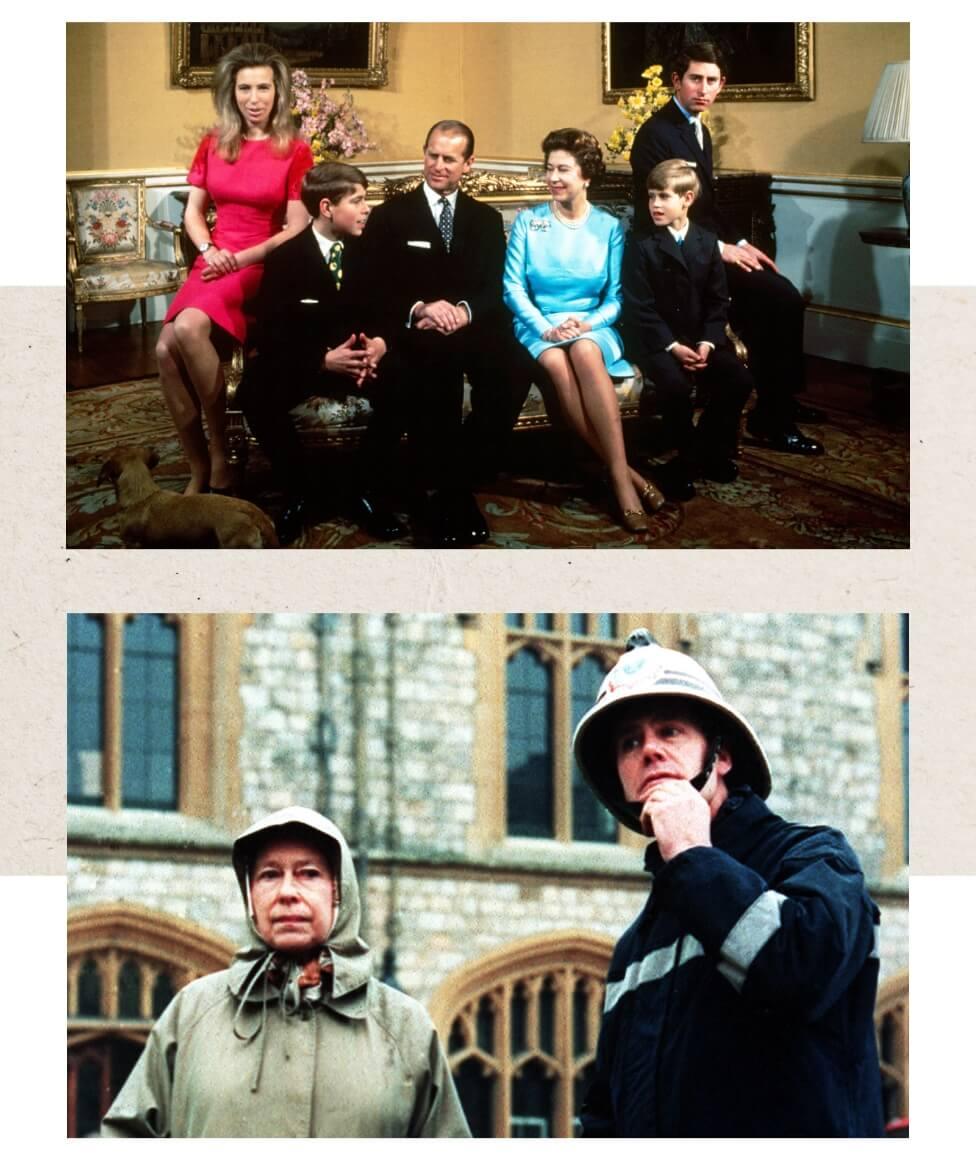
(740,1002)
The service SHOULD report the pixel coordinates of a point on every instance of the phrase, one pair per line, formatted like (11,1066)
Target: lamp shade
(889,117)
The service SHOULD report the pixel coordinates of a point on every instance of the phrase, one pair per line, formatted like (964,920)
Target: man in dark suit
(318,334)
(674,315)
(441,254)
(766,309)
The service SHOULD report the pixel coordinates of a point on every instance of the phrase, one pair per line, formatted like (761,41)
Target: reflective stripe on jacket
(741,1000)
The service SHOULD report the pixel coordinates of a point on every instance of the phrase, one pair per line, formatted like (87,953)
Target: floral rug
(854,497)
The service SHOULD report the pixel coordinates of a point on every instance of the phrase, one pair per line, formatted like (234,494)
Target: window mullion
(503,1108)
(112,759)
(561,715)
(193,736)
(108,963)
(563,1113)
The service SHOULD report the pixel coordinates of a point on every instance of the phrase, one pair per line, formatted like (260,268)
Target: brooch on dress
(539,223)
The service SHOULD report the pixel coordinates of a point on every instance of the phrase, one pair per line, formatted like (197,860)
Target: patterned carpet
(856,496)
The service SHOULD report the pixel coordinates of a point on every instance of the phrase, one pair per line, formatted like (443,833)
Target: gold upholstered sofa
(746,204)
(327,420)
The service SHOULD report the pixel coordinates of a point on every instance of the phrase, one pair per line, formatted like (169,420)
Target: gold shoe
(633,520)
(652,498)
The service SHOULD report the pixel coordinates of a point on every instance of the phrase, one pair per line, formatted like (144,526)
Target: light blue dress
(553,271)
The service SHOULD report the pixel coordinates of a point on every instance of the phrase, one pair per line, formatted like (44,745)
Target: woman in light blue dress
(562,282)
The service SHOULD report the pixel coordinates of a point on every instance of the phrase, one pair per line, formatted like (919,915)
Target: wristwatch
(204,247)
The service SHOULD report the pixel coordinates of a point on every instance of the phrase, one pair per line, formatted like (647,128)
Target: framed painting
(764,62)
(352,55)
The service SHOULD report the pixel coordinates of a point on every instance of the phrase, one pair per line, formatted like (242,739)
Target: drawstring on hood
(260,973)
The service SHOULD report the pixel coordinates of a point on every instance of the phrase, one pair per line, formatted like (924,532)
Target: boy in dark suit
(318,334)
(675,311)
(442,254)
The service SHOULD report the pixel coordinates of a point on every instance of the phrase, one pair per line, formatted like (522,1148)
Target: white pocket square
(312,302)
(421,244)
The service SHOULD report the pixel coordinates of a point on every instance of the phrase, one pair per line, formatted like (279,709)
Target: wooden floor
(114,355)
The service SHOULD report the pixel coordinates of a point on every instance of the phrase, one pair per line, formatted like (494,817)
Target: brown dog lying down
(155,519)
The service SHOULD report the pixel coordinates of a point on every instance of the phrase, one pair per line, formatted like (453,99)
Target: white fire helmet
(648,670)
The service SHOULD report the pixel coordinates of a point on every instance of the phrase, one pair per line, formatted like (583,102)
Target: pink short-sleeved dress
(251,197)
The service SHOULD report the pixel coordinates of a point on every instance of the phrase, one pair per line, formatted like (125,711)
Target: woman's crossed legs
(586,394)
(193,381)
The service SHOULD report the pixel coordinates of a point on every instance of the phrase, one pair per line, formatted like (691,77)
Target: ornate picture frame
(767,61)
(353,55)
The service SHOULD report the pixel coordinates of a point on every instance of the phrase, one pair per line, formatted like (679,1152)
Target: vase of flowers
(333,129)
(637,107)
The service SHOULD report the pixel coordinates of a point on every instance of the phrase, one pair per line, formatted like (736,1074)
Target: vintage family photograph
(311,306)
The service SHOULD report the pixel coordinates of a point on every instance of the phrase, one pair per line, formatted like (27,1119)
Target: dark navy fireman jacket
(741,1000)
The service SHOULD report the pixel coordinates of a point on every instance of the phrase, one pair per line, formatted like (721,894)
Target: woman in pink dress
(250,166)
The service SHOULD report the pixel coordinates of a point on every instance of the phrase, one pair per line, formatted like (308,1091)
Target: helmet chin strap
(699,781)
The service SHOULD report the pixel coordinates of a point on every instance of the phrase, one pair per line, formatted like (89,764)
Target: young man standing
(740,1002)
(767,310)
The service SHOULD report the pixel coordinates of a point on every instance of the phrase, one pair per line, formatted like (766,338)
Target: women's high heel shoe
(633,520)
(652,498)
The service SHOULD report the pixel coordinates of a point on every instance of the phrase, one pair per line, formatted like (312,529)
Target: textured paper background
(933,581)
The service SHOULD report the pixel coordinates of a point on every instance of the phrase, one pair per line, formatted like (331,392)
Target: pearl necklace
(570,223)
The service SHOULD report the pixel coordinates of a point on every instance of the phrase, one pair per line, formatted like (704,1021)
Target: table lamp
(889,117)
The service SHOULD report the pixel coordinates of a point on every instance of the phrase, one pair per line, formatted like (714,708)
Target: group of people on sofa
(404,301)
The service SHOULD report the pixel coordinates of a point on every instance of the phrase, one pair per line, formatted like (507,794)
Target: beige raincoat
(234,1055)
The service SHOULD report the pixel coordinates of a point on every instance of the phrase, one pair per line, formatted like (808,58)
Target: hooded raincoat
(248,1053)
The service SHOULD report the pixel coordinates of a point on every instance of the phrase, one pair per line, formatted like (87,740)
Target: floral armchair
(106,244)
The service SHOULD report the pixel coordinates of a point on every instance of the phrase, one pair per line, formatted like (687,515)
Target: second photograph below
(491,875)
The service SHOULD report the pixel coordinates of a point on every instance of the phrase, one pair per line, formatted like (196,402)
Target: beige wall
(513,82)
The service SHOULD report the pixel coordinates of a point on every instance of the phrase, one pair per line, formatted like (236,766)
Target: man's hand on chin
(677,816)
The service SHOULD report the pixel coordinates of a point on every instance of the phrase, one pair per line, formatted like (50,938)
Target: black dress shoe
(455,521)
(804,413)
(675,479)
(290,523)
(378,520)
(784,438)
(721,470)
(475,526)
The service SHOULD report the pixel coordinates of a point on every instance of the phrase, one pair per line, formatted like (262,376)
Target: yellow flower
(636,107)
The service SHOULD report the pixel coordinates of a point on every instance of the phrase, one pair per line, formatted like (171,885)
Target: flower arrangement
(333,130)
(637,107)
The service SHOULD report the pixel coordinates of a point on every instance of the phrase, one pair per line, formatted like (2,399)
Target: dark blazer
(673,293)
(299,311)
(666,135)
(402,240)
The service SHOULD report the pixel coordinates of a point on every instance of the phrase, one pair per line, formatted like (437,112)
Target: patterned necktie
(335,264)
(446,223)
